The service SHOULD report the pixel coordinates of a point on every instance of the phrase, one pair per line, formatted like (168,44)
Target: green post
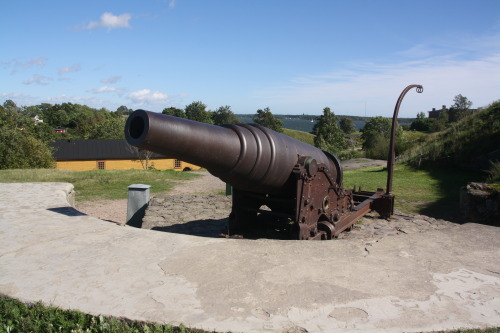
(229,189)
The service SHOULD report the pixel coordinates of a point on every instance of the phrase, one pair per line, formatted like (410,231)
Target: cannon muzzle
(250,157)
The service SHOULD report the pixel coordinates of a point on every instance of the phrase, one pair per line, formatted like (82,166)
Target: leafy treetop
(224,115)
(267,119)
(329,136)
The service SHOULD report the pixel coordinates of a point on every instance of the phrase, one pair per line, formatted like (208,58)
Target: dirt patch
(358,163)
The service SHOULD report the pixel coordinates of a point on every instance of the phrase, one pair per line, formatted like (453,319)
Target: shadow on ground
(66,210)
(203,228)
(449,183)
(218,228)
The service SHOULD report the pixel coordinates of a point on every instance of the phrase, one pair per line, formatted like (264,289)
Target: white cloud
(38,61)
(18,98)
(111,79)
(38,79)
(110,21)
(375,87)
(171,4)
(93,102)
(103,89)
(147,96)
(16,64)
(69,69)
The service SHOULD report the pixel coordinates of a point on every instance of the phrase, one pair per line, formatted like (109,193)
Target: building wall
(160,164)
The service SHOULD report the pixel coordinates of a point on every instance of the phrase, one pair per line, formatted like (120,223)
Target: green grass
(299,135)
(16,316)
(430,192)
(99,184)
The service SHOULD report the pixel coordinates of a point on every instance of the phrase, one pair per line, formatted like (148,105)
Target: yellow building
(115,154)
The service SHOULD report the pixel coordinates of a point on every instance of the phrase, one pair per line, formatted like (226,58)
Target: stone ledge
(480,202)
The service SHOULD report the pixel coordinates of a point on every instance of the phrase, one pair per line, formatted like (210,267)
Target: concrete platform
(430,281)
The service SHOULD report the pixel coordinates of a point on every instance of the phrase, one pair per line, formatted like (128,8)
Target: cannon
(278,182)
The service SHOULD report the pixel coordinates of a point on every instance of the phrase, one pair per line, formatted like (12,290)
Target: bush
(422,124)
(349,154)
(494,173)
(378,147)
(19,150)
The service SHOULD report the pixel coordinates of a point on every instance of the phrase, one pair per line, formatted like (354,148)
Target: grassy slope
(461,142)
(299,135)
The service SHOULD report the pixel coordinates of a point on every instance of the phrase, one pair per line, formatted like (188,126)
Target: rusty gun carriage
(300,185)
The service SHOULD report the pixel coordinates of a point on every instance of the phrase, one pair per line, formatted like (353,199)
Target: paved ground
(438,279)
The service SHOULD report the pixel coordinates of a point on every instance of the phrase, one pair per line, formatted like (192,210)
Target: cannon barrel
(250,157)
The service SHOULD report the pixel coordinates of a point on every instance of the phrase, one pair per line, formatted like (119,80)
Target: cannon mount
(315,208)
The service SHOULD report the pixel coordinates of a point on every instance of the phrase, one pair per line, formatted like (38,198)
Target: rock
(480,202)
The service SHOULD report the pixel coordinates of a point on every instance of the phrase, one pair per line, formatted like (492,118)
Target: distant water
(303,125)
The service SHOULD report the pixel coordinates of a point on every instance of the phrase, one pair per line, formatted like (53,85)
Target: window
(177,164)
(101,165)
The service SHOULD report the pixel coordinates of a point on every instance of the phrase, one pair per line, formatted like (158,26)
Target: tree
(460,108)
(44,132)
(377,125)
(346,125)
(422,124)
(172,111)
(420,115)
(145,158)
(461,103)
(8,117)
(9,104)
(11,118)
(30,111)
(329,136)
(198,111)
(143,155)
(440,123)
(224,115)
(266,119)
(111,128)
(20,150)
(56,116)
(376,135)
(123,110)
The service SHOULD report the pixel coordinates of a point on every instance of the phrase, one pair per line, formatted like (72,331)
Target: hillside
(470,143)
(299,135)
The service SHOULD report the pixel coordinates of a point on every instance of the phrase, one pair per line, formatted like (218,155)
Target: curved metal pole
(390,158)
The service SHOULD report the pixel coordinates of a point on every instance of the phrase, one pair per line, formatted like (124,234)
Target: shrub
(349,154)
(494,172)
(377,147)
(19,150)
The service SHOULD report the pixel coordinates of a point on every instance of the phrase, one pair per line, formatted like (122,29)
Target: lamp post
(390,158)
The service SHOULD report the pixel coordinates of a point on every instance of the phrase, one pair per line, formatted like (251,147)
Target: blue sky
(291,56)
